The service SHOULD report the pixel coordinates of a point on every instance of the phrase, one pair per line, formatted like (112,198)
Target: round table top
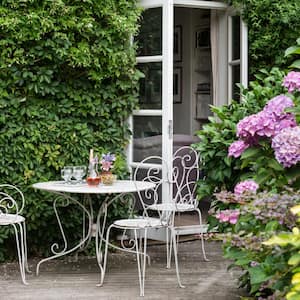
(119,186)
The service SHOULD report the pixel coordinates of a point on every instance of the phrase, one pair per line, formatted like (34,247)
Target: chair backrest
(11,200)
(150,170)
(185,175)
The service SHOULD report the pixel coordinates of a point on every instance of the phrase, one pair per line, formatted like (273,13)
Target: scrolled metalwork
(11,205)
(64,200)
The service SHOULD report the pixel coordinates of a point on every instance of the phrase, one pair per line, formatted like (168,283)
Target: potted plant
(107,164)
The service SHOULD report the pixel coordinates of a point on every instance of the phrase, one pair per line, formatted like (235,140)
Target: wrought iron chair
(140,225)
(185,174)
(11,206)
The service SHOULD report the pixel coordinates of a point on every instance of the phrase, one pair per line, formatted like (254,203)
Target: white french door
(152,124)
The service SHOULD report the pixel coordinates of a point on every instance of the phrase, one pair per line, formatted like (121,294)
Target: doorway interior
(192,70)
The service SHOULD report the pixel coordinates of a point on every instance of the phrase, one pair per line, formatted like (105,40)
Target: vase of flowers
(107,164)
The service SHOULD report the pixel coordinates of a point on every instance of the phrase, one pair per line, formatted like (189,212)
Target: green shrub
(221,171)
(68,82)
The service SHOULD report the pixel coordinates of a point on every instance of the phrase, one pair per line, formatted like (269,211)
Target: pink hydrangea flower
(229,215)
(245,186)
(268,122)
(277,105)
(286,145)
(107,161)
(237,148)
(254,126)
(292,81)
(288,122)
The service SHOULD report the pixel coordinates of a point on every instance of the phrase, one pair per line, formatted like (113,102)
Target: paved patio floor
(68,279)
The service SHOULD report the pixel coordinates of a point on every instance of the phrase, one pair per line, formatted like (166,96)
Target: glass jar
(107,177)
(93,177)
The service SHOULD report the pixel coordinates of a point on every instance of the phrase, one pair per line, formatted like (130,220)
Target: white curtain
(214,37)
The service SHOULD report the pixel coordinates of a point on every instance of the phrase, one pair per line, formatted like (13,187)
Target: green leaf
(292,50)
(293,296)
(274,164)
(258,275)
(271,226)
(294,259)
(250,152)
(295,64)
(280,239)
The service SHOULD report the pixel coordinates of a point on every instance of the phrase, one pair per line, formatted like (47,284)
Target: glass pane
(149,39)
(150,86)
(236,28)
(147,139)
(236,79)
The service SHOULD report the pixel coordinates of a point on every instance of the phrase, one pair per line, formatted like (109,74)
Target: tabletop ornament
(107,164)
(93,177)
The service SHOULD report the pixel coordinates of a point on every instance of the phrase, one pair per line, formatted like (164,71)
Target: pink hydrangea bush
(286,145)
(268,122)
(228,216)
(292,81)
(246,186)
(265,124)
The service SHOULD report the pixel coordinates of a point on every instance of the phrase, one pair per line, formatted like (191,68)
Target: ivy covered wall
(67,84)
(273,26)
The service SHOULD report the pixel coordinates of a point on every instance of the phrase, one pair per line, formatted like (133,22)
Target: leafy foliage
(266,271)
(273,25)
(290,241)
(264,218)
(68,82)
(294,51)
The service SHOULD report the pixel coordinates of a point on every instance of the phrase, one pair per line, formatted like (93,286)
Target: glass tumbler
(79,172)
(66,174)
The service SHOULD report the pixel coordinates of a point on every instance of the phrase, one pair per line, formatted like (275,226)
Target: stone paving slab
(68,279)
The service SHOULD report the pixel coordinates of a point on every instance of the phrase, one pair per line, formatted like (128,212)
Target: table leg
(64,201)
(87,203)
(100,229)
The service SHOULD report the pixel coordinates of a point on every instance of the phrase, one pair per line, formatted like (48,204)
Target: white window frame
(242,61)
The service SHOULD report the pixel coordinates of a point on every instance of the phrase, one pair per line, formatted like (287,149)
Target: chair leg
(169,247)
(141,261)
(201,235)
(173,237)
(20,249)
(25,248)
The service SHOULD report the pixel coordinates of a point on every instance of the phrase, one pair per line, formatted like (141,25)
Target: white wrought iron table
(64,192)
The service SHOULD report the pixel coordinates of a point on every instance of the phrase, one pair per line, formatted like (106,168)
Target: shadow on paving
(66,279)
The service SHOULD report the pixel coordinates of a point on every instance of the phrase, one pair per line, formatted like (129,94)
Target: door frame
(166,58)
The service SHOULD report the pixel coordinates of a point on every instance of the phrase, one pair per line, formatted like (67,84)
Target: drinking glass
(66,174)
(79,173)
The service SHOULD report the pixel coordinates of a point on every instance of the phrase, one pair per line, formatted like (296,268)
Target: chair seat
(6,219)
(140,223)
(179,207)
